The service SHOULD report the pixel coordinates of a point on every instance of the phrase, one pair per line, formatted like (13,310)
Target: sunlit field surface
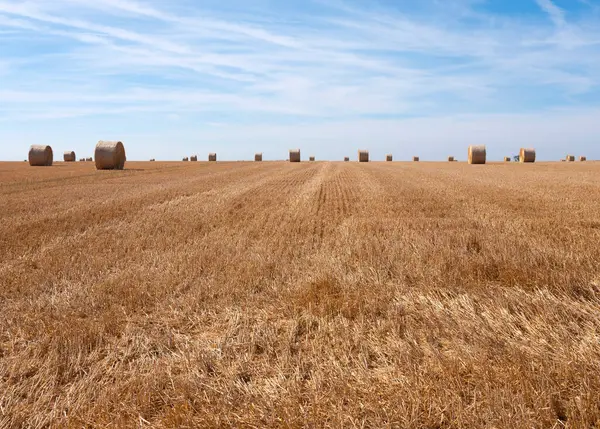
(437,295)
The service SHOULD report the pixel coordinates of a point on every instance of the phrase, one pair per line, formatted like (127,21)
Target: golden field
(408,295)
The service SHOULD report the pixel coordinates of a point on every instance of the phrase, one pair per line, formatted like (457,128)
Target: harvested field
(439,295)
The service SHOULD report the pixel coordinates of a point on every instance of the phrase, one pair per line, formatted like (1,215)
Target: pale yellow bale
(110,155)
(527,155)
(40,156)
(477,154)
(570,158)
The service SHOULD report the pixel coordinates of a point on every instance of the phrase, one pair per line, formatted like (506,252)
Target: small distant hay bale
(477,154)
(389,157)
(40,156)
(311,158)
(527,155)
(346,159)
(450,159)
(194,158)
(90,159)
(295,155)
(110,156)
(570,158)
(152,160)
(258,157)
(81,159)
(363,156)
(563,160)
(582,159)
(416,159)
(185,159)
(69,156)
(507,159)
(212,157)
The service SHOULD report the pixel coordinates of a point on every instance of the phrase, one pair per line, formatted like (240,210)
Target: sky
(172,78)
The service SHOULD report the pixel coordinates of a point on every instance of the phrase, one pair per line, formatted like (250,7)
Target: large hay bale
(346,159)
(194,158)
(110,156)
(477,154)
(69,156)
(527,155)
(295,155)
(389,157)
(507,159)
(363,156)
(570,158)
(258,157)
(40,156)
(450,159)
(212,157)
(582,159)
(311,158)
(416,159)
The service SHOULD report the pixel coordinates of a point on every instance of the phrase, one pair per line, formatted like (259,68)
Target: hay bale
(69,156)
(152,160)
(194,158)
(258,157)
(450,159)
(477,154)
(311,158)
(527,155)
(570,158)
(110,156)
(295,155)
(416,159)
(363,156)
(40,156)
(212,157)
(389,157)
(90,159)
(81,159)
(563,160)
(507,159)
(185,159)
(346,159)
(582,159)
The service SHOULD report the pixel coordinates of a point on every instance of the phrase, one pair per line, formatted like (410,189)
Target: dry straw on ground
(110,155)
(258,157)
(527,155)
(69,156)
(363,156)
(212,157)
(389,158)
(294,155)
(40,156)
(477,154)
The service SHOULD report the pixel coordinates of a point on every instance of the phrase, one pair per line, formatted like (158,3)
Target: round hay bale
(212,157)
(477,154)
(311,158)
(363,156)
(69,156)
(527,155)
(110,155)
(295,155)
(582,159)
(389,157)
(507,159)
(185,159)
(152,160)
(346,159)
(416,159)
(570,158)
(90,159)
(194,158)
(258,157)
(40,156)
(450,159)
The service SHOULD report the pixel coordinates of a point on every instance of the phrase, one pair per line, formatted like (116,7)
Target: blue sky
(171,78)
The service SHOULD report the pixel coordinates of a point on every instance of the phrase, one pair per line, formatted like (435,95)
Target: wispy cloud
(305,63)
